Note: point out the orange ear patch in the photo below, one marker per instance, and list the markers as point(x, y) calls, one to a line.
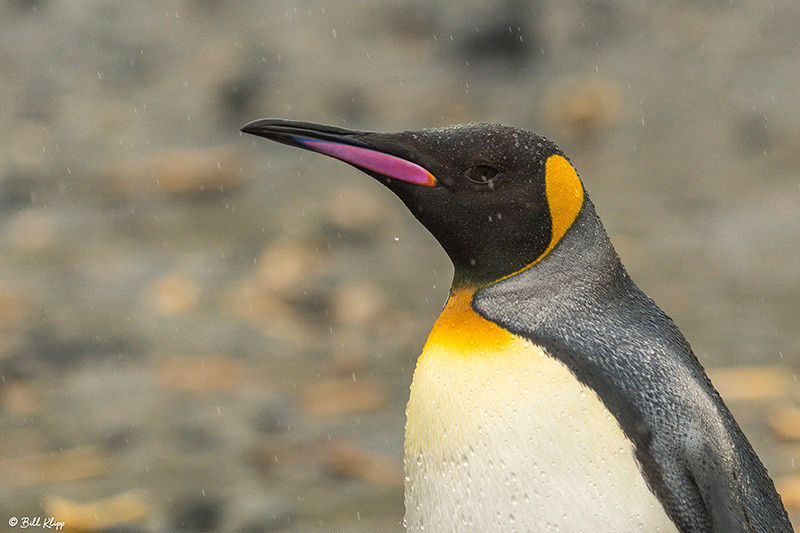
point(564, 197)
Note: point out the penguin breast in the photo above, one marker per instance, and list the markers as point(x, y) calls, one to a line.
point(500, 436)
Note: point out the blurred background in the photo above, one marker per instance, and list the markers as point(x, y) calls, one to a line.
point(201, 331)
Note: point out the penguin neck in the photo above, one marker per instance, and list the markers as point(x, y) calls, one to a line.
point(585, 247)
point(463, 331)
point(471, 278)
point(583, 258)
point(467, 277)
point(465, 280)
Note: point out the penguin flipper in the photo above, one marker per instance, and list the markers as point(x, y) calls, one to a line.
point(732, 482)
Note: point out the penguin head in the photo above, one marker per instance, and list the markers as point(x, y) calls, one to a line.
point(497, 198)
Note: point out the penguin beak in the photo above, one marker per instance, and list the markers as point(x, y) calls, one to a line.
point(342, 144)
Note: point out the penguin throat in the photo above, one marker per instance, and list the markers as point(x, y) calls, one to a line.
point(465, 332)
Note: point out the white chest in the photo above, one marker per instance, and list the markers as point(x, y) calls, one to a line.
point(502, 437)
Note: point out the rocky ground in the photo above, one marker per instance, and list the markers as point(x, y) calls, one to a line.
point(201, 331)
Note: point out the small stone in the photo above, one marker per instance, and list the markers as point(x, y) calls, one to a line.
point(29, 438)
point(789, 488)
point(177, 172)
point(271, 418)
point(24, 149)
point(284, 266)
point(585, 106)
point(351, 349)
point(283, 296)
point(32, 229)
point(19, 397)
point(752, 382)
point(254, 513)
point(680, 26)
point(122, 528)
point(352, 461)
point(173, 294)
point(15, 312)
point(355, 212)
point(348, 361)
point(97, 515)
point(266, 310)
point(751, 133)
point(357, 304)
point(508, 35)
point(36, 469)
point(14, 308)
point(342, 397)
point(208, 171)
point(279, 451)
point(250, 299)
point(785, 423)
point(197, 516)
point(199, 374)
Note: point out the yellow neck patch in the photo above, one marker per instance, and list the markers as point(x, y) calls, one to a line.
point(463, 331)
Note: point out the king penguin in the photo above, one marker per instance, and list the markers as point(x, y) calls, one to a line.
point(552, 394)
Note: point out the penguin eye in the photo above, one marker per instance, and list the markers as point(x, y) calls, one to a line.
point(481, 174)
